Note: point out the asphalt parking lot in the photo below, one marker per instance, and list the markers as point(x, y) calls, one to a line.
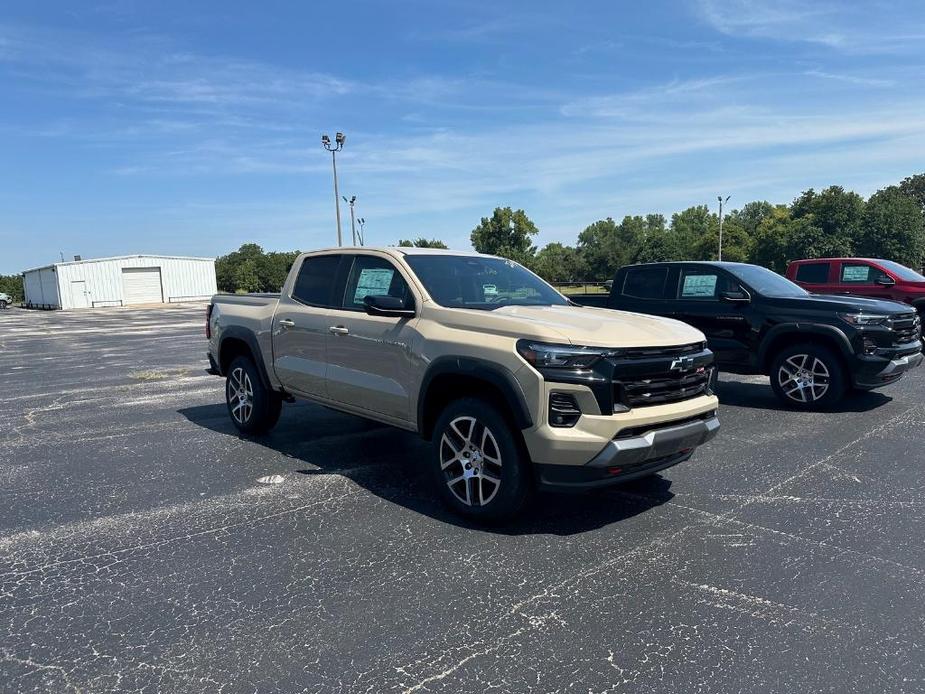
point(139, 552)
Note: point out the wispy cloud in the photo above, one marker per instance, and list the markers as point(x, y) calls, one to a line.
point(862, 27)
point(851, 79)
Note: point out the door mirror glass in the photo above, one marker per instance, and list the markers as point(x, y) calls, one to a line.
point(737, 296)
point(885, 281)
point(381, 305)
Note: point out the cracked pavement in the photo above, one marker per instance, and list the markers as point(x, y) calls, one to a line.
point(139, 552)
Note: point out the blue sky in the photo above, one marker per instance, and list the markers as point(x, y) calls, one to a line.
point(190, 128)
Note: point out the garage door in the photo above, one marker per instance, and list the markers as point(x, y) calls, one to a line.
point(141, 285)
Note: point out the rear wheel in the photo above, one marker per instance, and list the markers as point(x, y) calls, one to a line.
point(478, 465)
point(3, 304)
point(254, 408)
point(808, 376)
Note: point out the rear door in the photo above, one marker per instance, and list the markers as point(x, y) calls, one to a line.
point(726, 325)
point(860, 278)
point(642, 288)
point(815, 277)
point(300, 326)
point(369, 357)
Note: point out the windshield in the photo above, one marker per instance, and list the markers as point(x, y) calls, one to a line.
point(902, 272)
point(766, 282)
point(459, 281)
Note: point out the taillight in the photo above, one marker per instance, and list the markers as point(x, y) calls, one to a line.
point(209, 321)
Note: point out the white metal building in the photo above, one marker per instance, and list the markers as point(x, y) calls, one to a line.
point(121, 281)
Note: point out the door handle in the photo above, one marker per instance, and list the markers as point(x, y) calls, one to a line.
point(286, 323)
point(338, 330)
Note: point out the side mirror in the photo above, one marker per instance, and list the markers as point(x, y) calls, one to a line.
point(390, 306)
point(885, 281)
point(738, 297)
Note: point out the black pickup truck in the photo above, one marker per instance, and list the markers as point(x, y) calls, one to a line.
point(813, 347)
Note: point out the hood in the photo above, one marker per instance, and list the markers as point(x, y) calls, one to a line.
point(844, 303)
point(578, 325)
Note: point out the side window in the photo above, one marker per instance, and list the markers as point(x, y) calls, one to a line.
point(373, 276)
point(813, 273)
point(700, 284)
point(857, 273)
point(645, 282)
point(315, 281)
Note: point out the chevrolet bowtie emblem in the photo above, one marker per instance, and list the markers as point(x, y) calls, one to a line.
point(682, 364)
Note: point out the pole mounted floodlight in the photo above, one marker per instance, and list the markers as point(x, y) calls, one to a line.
point(339, 140)
point(360, 235)
point(721, 203)
point(353, 224)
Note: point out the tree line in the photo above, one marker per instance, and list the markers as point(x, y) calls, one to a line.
point(831, 222)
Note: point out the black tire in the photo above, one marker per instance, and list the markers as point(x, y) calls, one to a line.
point(469, 436)
point(808, 376)
point(254, 409)
point(3, 304)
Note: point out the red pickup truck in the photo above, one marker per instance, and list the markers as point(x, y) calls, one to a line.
point(871, 277)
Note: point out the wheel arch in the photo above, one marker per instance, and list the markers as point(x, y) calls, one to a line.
point(237, 341)
point(450, 378)
point(786, 335)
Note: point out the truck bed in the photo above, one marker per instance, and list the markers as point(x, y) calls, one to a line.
point(595, 300)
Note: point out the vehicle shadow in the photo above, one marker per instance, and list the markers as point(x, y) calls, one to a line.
point(760, 396)
point(390, 463)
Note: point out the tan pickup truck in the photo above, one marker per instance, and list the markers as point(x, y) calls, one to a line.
point(516, 386)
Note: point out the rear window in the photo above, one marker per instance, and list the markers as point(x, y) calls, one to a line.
point(645, 282)
point(315, 281)
point(813, 273)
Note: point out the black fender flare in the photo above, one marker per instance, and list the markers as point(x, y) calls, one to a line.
point(236, 332)
point(808, 329)
point(481, 369)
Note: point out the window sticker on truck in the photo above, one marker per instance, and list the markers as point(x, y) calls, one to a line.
point(372, 282)
point(699, 285)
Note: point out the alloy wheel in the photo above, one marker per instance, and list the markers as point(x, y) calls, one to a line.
point(804, 378)
point(240, 395)
point(471, 461)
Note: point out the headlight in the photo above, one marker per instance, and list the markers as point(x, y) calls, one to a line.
point(546, 356)
point(862, 319)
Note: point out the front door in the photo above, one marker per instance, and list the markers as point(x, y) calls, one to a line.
point(369, 363)
point(860, 278)
point(79, 296)
point(300, 326)
point(726, 325)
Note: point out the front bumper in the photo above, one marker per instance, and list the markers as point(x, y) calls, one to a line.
point(636, 455)
point(876, 372)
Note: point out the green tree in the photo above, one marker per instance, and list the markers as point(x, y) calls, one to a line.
point(689, 227)
point(12, 285)
point(914, 187)
point(559, 263)
point(771, 238)
point(751, 216)
point(737, 242)
point(597, 247)
point(893, 227)
point(246, 278)
point(506, 233)
point(422, 243)
point(836, 212)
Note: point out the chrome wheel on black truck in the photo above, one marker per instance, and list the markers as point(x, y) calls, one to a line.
point(478, 464)
point(808, 376)
point(253, 407)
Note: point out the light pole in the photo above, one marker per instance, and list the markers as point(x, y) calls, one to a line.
point(362, 223)
point(339, 140)
point(721, 201)
point(353, 224)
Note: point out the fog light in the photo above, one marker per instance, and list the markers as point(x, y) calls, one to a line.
point(563, 410)
point(869, 346)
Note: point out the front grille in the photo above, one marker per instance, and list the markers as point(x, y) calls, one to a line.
point(657, 391)
point(906, 328)
point(645, 377)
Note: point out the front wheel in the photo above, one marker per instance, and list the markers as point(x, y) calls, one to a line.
point(253, 407)
point(3, 304)
point(478, 464)
point(808, 376)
